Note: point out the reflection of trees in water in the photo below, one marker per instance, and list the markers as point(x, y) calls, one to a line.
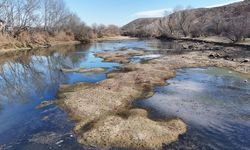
point(165, 47)
point(30, 77)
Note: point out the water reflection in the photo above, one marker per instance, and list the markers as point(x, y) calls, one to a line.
point(28, 78)
point(215, 104)
point(31, 76)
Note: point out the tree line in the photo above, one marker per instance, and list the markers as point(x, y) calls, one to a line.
point(50, 16)
point(231, 22)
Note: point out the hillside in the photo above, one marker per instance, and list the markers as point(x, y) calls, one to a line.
point(229, 21)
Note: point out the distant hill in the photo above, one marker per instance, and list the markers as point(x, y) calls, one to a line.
point(232, 21)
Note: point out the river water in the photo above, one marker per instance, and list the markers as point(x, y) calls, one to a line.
point(214, 102)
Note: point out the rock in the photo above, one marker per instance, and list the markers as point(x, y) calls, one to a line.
point(59, 142)
point(226, 57)
point(185, 46)
point(45, 118)
point(191, 47)
point(214, 55)
point(245, 61)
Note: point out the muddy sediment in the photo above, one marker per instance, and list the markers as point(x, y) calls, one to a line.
point(98, 107)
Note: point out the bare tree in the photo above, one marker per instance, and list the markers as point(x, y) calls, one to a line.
point(181, 20)
point(55, 14)
point(28, 17)
point(112, 30)
point(165, 24)
point(184, 19)
point(235, 29)
point(217, 21)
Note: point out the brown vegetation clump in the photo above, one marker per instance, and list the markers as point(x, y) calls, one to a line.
point(32, 40)
point(119, 57)
point(136, 131)
point(96, 108)
point(7, 42)
point(63, 36)
point(82, 70)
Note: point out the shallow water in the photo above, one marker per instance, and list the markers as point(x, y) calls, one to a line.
point(215, 101)
point(35, 76)
point(32, 78)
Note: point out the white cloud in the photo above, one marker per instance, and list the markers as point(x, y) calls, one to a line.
point(151, 13)
point(218, 5)
point(161, 12)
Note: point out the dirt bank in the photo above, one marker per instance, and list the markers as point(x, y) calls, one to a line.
point(14, 49)
point(219, 40)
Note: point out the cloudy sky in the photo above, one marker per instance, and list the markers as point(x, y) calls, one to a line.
point(120, 12)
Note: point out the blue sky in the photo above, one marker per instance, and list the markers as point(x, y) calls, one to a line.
point(120, 12)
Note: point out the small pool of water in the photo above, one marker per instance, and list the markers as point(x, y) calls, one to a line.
point(215, 104)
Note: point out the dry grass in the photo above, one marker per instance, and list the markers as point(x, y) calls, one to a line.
point(116, 38)
point(62, 36)
point(7, 42)
point(27, 39)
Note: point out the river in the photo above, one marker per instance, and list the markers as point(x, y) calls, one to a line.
point(214, 102)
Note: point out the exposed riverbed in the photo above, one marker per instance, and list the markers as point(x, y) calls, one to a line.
point(32, 78)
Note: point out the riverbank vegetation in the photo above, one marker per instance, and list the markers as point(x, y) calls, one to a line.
point(228, 23)
point(41, 23)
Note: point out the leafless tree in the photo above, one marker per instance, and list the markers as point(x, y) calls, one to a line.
point(217, 21)
point(235, 29)
point(183, 19)
point(52, 16)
